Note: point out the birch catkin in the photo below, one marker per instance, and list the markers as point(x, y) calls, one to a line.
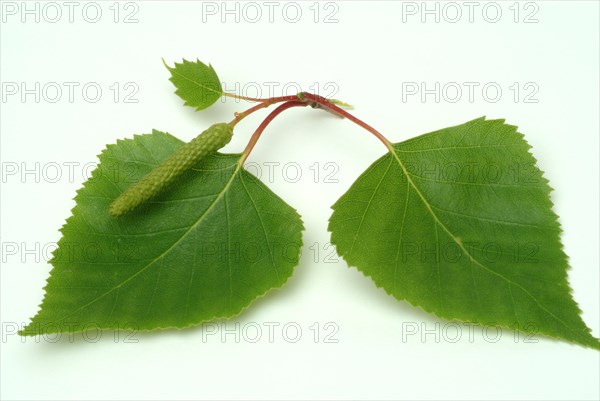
point(208, 142)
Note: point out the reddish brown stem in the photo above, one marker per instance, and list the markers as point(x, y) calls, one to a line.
point(319, 101)
point(266, 122)
point(301, 99)
point(263, 104)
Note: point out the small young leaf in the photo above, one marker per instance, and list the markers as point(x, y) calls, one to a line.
point(197, 83)
point(201, 250)
point(460, 222)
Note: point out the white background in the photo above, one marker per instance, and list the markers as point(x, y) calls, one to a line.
point(370, 54)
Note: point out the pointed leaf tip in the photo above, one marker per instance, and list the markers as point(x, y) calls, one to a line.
point(199, 251)
point(459, 222)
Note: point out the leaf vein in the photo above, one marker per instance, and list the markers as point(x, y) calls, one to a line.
point(262, 224)
point(136, 274)
point(460, 244)
point(368, 206)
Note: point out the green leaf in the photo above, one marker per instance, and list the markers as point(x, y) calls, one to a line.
point(197, 83)
point(459, 222)
point(203, 249)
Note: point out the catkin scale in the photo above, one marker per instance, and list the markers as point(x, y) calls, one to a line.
point(209, 141)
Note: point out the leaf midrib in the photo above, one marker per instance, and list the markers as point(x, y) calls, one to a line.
point(164, 253)
point(203, 86)
point(462, 247)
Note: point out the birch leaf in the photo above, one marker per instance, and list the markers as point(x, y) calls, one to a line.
point(459, 222)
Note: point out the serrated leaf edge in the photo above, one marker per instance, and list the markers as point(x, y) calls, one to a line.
point(178, 91)
point(427, 310)
point(158, 328)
